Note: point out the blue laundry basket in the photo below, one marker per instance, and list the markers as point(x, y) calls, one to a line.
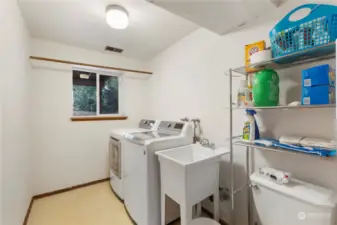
point(318, 28)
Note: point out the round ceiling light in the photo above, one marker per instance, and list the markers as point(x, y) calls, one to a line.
point(117, 17)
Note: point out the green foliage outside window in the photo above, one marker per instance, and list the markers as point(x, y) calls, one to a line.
point(109, 95)
point(85, 95)
point(84, 98)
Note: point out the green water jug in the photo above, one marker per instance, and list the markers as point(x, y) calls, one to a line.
point(266, 88)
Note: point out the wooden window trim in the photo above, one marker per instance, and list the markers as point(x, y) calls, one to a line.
point(96, 118)
point(89, 65)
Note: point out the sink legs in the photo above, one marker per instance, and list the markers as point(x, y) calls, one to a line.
point(188, 188)
point(198, 213)
point(216, 205)
point(186, 211)
point(163, 209)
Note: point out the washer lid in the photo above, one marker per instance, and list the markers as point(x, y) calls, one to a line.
point(300, 190)
point(141, 137)
point(123, 131)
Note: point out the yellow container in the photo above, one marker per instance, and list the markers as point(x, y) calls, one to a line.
point(250, 50)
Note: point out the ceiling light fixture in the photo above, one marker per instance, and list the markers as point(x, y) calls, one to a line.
point(117, 17)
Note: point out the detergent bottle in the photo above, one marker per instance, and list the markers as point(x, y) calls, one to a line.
point(266, 88)
point(250, 130)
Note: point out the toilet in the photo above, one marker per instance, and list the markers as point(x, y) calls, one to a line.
point(294, 203)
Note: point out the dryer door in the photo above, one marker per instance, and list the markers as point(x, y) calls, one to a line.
point(115, 156)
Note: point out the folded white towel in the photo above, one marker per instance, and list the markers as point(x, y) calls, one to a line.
point(291, 140)
point(308, 142)
point(318, 142)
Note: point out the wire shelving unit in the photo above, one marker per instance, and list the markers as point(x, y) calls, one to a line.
point(317, 54)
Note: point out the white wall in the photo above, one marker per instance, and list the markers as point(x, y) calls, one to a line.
point(70, 153)
point(14, 45)
point(190, 81)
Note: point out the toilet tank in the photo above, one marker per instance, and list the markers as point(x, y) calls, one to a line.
point(295, 203)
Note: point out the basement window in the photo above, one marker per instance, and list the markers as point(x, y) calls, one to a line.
point(95, 96)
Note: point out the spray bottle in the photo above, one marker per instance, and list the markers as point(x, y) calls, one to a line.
point(250, 130)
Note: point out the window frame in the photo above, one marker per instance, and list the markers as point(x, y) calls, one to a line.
point(115, 116)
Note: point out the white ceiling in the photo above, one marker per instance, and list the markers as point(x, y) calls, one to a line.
point(220, 16)
point(82, 23)
point(225, 16)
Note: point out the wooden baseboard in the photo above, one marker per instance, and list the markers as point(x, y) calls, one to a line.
point(210, 214)
point(59, 192)
point(69, 188)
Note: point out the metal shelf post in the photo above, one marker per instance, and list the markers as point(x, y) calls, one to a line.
point(231, 147)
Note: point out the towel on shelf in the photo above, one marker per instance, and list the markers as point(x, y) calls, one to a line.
point(308, 142)
point(318, 142)
point(309, 150)
point(291, 140)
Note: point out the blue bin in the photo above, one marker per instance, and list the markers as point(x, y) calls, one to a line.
point(316, 29)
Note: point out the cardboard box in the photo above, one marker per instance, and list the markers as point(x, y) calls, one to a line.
point(318, 95)
point(318, 75)
point(250, 50)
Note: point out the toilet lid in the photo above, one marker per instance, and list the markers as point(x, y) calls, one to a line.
point(204, 221)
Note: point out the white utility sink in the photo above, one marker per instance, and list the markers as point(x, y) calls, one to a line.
point(192, 155)
point(189, 174)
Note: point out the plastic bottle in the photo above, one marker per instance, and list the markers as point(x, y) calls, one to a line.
point(250, 130)
point(245, 96)
point(266, 88)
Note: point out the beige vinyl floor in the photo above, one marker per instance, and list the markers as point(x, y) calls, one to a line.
point(92, 205)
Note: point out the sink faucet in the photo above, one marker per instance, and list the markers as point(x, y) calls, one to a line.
point(206, 143)
point(185, 119)
point(199, 137)
point(196, 126)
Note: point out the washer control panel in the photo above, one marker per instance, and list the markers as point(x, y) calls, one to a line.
point(146, 124)
point(174, 127)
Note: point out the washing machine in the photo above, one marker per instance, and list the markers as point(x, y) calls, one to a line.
point(116, 148)
point(142, 171)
